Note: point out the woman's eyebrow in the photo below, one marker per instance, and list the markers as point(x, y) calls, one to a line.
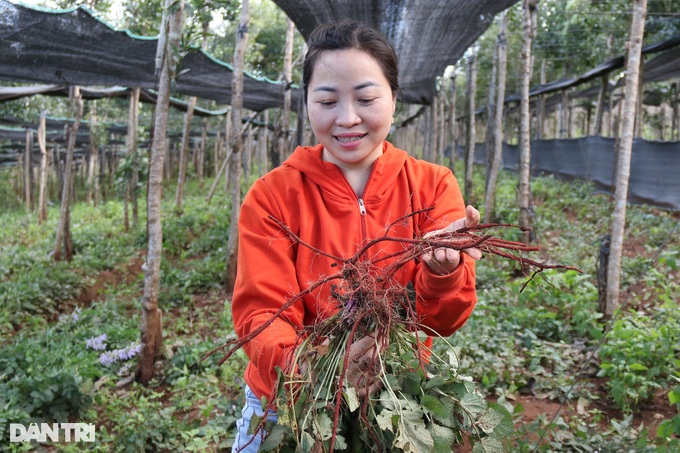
point(358, 87)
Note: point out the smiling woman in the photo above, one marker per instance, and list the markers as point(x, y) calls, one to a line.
point(336, 197)
point(350, 106)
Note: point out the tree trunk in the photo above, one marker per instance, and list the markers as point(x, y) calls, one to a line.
point(529, 9)
point(428, 132)
point(64, 227)
point(284, 138)
point(151, 329)
point(490, 110)
point(27, 168)
point(442, 128)
point(131, 141)
point(453, 130)
point(236, 142)
point(675, 127)
point(497, 152)
point(639, 107)
point(624, 155)
point(217, 177)
point(202, 148)
point(184, 155)
point(540, 114)
point(42, 143)
point(471, 139)
point(601, 100)
point(93, 166)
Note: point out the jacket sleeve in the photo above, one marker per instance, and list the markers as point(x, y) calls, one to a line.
point(265, 281)
point(445, 302)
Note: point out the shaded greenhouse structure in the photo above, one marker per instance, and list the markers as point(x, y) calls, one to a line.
point(59, 49)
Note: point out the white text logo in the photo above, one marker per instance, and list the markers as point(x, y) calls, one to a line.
point(56, 432)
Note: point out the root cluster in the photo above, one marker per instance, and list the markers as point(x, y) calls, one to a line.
point(370, 302)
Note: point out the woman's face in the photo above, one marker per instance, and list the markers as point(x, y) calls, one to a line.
point(350, 106)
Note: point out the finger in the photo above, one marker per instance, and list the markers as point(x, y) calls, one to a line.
point(473, 252)
point(452, 256)
point(440, 255)
point(471, 216)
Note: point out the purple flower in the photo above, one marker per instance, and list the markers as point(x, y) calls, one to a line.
point(72, 318)
point(110, 357)
point(96, 343)
point(106, 358)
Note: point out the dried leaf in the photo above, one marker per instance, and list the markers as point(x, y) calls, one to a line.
point(488, 421)
point(413, 435)
point(351, 398)
point(384, 420)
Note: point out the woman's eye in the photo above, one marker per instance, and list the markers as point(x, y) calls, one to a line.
point(366, 101)
point(327, 103)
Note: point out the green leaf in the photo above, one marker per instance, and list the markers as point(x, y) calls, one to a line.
point(505, 428)
point(624, 334)
point(488, 445)
point(473, 403)
point(435, 406)
point(340, 443)
point(665, 430)
point(255, 421)
point(411, 383)
point(323, 426)
point(674, 395)
point(274, 438)
point(306, 442)
point(488, 421)
point(443, 438)
point(638, 367)
point(434, 382)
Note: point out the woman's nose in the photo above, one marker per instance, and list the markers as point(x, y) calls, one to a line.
point(347, 115)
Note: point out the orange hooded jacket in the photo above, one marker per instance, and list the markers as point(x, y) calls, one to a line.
point(315, 201)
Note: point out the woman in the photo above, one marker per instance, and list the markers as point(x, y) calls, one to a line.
point(336, 196)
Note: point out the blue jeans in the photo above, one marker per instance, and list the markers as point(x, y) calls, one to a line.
point(250, 443)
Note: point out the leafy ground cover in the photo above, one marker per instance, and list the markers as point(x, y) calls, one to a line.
point(68, 331)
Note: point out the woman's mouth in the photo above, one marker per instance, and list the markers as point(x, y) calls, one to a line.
point(346, 139)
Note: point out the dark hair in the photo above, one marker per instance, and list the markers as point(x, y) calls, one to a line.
point(350, 34)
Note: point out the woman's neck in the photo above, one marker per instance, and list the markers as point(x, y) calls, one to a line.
point(356, 175)
point(357, 178)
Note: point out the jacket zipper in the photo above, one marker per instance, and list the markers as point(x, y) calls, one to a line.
point(362, 205)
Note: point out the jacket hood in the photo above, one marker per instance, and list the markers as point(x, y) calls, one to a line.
point(307, 160)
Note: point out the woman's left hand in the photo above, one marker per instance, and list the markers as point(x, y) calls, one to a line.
point(443, 261)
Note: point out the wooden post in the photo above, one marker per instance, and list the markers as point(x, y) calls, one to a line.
point(151, 329)
point(624, 155)
point(44, 162)
point(524, 196)
point(471, 138)
point(453, 125)
point(27, 168)
point(63, 229)
point(237, 142)
point(497, 152)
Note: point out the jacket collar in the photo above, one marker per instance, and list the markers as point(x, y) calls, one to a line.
point(307, 160)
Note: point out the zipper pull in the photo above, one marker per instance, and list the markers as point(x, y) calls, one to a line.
point(362, 207)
